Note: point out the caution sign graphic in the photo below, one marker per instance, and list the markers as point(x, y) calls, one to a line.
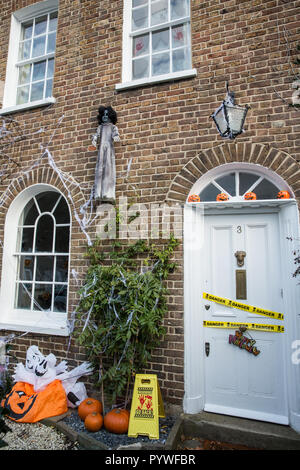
point(146, 408)
point(245, 307)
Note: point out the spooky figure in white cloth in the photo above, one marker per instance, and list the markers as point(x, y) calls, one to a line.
point(107, 133)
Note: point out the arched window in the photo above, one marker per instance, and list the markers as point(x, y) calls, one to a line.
point(236, 182)
point(37, 262)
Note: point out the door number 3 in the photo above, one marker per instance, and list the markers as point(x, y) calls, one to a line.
point(239, 229)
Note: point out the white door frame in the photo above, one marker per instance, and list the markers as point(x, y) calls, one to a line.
point(194, 248)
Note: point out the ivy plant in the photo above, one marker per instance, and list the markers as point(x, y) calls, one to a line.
point(121, 310)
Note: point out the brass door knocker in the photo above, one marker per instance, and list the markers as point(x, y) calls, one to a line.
point(240, 255)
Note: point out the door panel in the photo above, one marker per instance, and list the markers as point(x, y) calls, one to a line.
point(236, 381)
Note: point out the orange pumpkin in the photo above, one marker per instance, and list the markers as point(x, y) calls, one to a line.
point(93, 422)
point(194, 198)
point(283, 195)
point(117, 421)
point(89, 405)
point(250, 196)
point(222, 197)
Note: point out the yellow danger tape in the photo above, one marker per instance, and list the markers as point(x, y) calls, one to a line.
point(249, 326)
point(245, 307)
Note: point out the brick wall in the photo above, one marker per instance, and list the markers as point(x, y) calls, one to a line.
point(165, 128)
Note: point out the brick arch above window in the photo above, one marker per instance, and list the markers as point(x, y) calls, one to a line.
point(244, 152)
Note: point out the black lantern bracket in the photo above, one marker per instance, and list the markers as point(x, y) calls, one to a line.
point(229, 117)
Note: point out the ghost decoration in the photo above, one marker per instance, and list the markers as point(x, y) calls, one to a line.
point(40, 371)
point(105, 174)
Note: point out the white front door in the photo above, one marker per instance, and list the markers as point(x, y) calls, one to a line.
point(236, 381)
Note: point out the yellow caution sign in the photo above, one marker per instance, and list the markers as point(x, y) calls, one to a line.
point(146, 407)
point(245, 307)
point(249, 326)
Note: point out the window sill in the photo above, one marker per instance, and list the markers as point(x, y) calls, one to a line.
point(24, 107)
point(56, 330)
point(154, 80)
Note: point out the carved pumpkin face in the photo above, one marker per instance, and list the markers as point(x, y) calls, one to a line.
point(283, 195)
point(250, 196)
point(222, 197)
point(194, 198)
point(19, 404)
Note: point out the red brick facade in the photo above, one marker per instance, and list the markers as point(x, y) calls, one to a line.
point(164, 128)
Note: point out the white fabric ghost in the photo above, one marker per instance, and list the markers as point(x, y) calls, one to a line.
point(41, 370)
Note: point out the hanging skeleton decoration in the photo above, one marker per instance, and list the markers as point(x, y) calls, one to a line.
point(107, 133)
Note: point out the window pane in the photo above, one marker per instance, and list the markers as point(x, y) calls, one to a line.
point(209, 193)
point(22, 94)
point(139, 18)
point(180, 36)
point(61, 213)
point(40, 25)
point(27, 240)
point(49, 86)
point(24, 296)
point(50, 69)
point(44, 268)
point(159, 12)
point(47, 200)
point(27, 30)
point(160, 40)
point(60, 298)
point(42, 296)
point(37, 91)
point(39, 46)
point(179, 9)
point(30, 213)
point(140, 68)
point(228, 183)
point(62, 239)
point(51, 43)
point(160, 64)
point(140, 45)
point(61, 274)
point(24, 74)
point(39, 69)
point(246, 181)
point(53, 22)
point(24, 50)
point(265, 190)
point(44, 234)
point(138, 3)
point(181, 59)
point(26, 268)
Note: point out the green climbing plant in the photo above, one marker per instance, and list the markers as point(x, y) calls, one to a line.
point(121, 309)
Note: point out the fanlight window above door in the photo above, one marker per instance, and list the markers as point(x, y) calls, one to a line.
point(237, 184)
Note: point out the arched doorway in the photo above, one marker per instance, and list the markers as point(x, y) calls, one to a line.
point(221, 375)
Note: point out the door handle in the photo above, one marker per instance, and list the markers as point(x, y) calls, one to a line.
point(207, 349)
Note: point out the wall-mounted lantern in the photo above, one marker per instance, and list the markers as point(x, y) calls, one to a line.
point(229, 118)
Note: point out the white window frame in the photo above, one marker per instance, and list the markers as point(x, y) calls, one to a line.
point(127, 81)
point(11, 318)
point(10, 89)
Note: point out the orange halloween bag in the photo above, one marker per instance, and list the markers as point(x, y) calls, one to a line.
point(27, 406)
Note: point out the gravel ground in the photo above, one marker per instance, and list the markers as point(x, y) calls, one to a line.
point(113, 441)
point(35, 436)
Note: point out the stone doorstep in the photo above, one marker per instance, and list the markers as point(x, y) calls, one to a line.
point(239, 431)
point(89, 443)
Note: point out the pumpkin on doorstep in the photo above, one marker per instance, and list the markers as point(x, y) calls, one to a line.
point(194, 198)
point(89, 405)
point(93, 422)
point(222, 197)
point(250, 196)
point(283, 195)
point(117, 421)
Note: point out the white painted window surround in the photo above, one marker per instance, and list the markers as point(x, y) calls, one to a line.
point(20, 319)
point(9, 98)
point(146, 33)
